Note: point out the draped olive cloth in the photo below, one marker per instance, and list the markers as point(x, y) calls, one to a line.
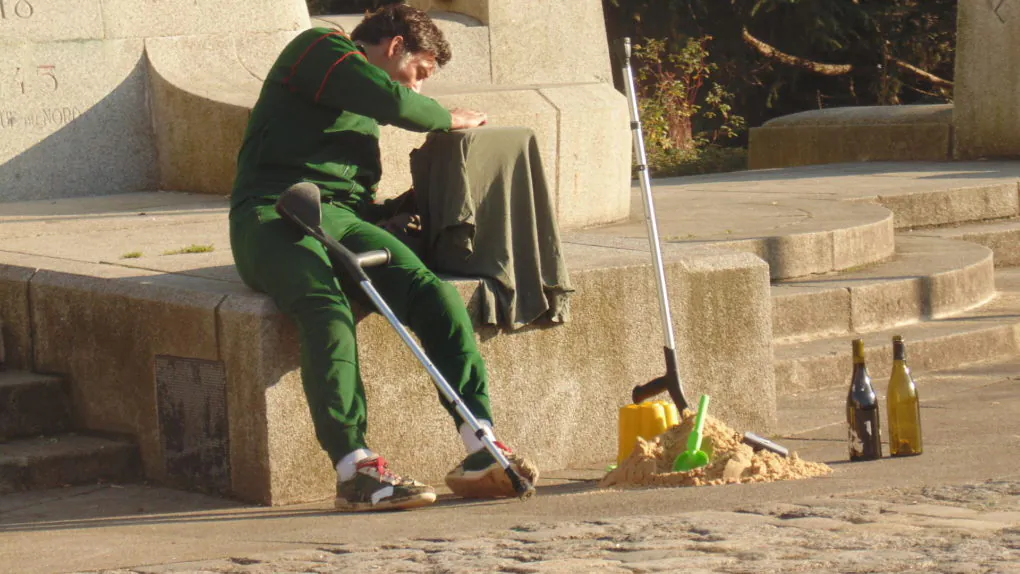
point(487, 212)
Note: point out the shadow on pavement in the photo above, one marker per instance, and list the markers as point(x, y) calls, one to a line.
point(103, 506)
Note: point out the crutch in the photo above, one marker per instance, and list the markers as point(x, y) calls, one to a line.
point(671, 380)
point(301, 204)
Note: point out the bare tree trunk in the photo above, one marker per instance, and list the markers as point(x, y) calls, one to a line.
point(681, 133)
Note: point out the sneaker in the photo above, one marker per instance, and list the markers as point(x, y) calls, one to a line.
point(376, 487)
point(480, 476)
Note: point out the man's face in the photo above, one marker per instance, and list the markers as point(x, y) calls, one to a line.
point(412, 70)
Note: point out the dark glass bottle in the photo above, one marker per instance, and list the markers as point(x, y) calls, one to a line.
point(903, 406)
point(862, 411)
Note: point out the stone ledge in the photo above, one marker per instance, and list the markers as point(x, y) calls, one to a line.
point(556, 389)
point(14, 310)
point(872, 115)
point(853, 134)
point(562, 408)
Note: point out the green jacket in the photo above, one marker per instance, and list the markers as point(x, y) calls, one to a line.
point(317, 120)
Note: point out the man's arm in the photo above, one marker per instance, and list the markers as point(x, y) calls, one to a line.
point(327, 67)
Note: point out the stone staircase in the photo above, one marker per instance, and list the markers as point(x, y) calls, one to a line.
point(37, 447)
point(860, 250)
point(950, 290)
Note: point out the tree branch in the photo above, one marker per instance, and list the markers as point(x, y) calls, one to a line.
point(790, 60)
point(919, 72)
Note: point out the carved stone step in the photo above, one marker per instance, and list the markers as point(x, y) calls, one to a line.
point(52, 461)
point(1001, 236)
point(928, 277)
point(988, 333)
point(32, 404)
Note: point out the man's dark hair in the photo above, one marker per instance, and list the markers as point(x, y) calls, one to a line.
point(419, 31)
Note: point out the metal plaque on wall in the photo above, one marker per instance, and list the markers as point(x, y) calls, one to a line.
point(191, 397)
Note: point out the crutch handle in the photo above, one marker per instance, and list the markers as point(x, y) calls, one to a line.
point(649, 390)
point(622, 51)
point(669, 382)
point(375, 258)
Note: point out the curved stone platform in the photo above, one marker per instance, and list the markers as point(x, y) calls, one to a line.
point(818, 219)
point(796, 238)
point(854, 134)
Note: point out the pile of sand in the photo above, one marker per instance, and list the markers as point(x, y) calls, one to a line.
point(732, 462)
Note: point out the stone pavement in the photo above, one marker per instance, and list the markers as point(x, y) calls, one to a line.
point(966, 529)
point(954, 509)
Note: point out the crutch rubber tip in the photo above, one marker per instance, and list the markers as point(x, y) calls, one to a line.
point(522, 486)
point(526, 491)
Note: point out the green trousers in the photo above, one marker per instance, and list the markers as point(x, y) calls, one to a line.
point(273, 257)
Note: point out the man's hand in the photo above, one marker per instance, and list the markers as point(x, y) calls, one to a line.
point(406, 223)
point(467, 119)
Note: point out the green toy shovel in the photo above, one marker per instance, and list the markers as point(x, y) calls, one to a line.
point(694, 457)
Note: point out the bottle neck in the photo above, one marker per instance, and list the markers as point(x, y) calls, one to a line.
point(858, 352)
point(899, 351)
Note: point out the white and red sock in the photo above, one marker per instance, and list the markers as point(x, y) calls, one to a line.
point(348, 465)
point(472, 443)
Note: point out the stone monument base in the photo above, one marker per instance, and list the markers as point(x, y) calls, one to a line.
point(839, 135)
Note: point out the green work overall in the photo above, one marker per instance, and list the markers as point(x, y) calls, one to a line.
point(317, 120)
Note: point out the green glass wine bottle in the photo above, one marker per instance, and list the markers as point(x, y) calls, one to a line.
point(862, 415)
point(903, 406)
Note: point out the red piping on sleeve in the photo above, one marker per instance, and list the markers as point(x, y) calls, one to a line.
point(293, 69)
point(331, 68)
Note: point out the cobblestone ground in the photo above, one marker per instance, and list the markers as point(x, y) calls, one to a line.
point(965, 529)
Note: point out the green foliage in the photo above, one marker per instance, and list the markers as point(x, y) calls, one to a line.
point(708, 159)
point(682, 121)
point(872, 38)
point(131, 255)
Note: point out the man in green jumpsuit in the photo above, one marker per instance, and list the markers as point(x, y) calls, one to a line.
point(317, 120)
